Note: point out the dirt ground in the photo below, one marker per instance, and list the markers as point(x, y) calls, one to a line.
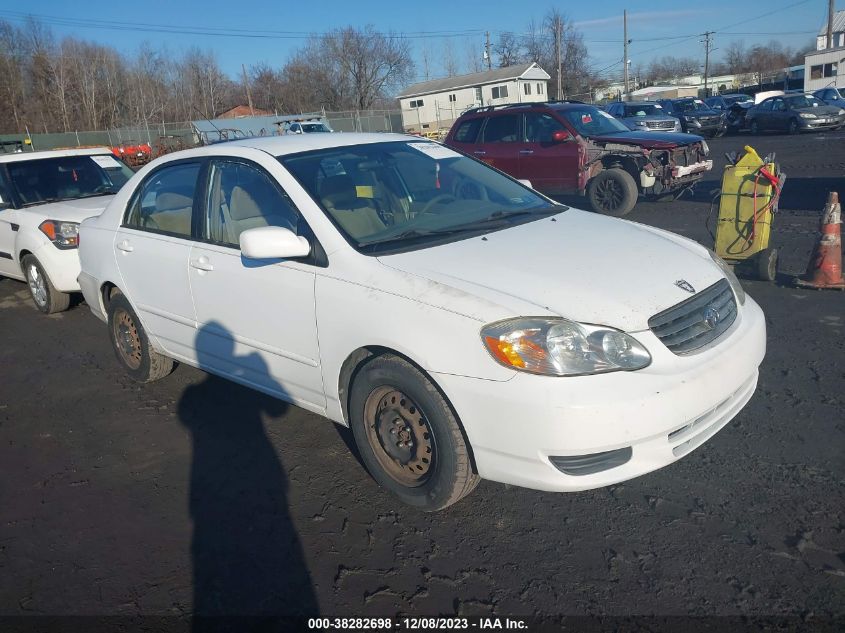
point(126, 499)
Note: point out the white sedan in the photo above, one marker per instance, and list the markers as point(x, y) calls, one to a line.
point(462, 324)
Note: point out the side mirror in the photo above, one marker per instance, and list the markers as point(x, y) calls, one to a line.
point(525, 182)
point(273, 242)
point(561, 136)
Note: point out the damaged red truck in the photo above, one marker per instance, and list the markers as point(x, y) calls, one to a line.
point(570, 147)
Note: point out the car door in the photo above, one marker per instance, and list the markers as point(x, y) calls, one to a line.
point(8, 229)
point(152, 247)
point(261, 312)
point(500, 142)
point(779, 115)
point(551, 166)
point(763, 114)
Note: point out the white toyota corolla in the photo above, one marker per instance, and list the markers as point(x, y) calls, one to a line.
point(462, 324)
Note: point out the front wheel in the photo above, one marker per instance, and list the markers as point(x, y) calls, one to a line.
point(44, 294)
point(612, 192)
point(755, 128)
point(794, 128)
point(408, 436)
point(131, 344)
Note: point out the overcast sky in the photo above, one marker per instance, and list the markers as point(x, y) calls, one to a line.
point(252, 31)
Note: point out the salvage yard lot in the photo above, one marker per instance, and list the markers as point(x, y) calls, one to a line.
point(118, 498)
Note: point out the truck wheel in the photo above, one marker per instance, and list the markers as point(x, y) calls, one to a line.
point(767, 264)
point(408, 436)
point(612, 192)
point(131, 345)
point(44, 294)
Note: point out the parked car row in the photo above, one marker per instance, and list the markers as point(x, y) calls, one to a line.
point(455, 318)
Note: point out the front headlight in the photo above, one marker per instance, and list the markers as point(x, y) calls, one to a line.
point(841, 112)
point(63, 234)
point(558, 347)
point(731, 277)
point(640, 123)
point(807, 115)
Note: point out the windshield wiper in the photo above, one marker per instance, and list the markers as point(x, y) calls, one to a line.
point(94, 195)
point(43, 201)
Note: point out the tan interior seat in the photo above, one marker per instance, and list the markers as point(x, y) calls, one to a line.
point(172, 213)
point(357, 216)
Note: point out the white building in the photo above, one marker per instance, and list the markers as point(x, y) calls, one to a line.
point(434, 105)
point(824, 69)
point(838, 32)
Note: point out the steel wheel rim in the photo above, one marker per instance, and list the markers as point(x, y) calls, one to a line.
point(127, 339)
point(609, 194)
point(400, 436)
point(37, 285)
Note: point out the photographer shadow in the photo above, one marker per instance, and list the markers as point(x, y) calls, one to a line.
point(247, 559)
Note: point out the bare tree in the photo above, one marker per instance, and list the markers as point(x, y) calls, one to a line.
point(508, 50)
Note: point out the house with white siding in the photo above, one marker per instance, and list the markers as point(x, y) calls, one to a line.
point(434, 105)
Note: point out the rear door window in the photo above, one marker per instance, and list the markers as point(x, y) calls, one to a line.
point(164, 202)
point(467, 131)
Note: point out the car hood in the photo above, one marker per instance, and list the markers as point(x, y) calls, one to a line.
point(697, 114)
point(579, 265)
point(825, 110)
point(648, 140)
point(650, 117)
point(71, 210)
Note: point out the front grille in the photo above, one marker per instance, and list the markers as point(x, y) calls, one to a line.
point(694, 323)
point(661, 125)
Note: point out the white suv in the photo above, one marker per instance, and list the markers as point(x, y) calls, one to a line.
point(43, 198)
point(461, 323)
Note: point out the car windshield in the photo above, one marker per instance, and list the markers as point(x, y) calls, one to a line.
point(589, 121)
point(643, 110)
point(803, 101)
point(691, 105)
point(387, 197)
point(66, 178)
point(737, 99)
point(314, 127)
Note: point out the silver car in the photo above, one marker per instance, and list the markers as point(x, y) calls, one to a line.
point(644, 115)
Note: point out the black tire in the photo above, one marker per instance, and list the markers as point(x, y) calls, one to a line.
point(754, 128)
point(44, 294)
point(793, 128)
point(131, 344)
point(767, 264)
point(429, 465)
point(612, 192)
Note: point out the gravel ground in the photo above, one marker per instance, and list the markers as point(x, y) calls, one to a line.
point(125, 499)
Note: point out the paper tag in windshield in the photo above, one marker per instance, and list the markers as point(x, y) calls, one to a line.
point(435, 151)
point(586, 118)
point(106, 162)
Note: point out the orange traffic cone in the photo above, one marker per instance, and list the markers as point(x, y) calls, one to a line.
point(825, 267)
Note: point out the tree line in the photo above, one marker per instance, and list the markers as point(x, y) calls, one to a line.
point(58, 85)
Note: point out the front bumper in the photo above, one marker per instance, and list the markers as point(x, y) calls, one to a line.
point(821, 124)
point(61, 266)
point(661, 412)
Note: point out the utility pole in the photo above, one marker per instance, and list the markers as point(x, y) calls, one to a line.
point(559, 66)
point(487, 52)
point(625, 51)
point(830, 23)
point(248, 93)
point(708, 44)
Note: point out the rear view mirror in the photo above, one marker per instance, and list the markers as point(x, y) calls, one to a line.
point(273, 242)
point(561, 136)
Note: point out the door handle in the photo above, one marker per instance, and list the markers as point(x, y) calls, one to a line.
point(479, 152)
point(125, 246)
point(526, 151)
point(202, 263)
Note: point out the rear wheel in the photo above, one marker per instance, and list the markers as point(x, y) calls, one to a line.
point(767, 264)
point(408, 436)
point(612, 192)
point(44, 294)
point(131, 344)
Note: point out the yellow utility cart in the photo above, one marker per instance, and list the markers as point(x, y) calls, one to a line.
point(748, 201)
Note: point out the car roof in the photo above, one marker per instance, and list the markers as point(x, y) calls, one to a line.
point(53, 153)
point(283, 145)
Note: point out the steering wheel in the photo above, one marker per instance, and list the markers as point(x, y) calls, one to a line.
point(469, 190)
point(443, 197)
